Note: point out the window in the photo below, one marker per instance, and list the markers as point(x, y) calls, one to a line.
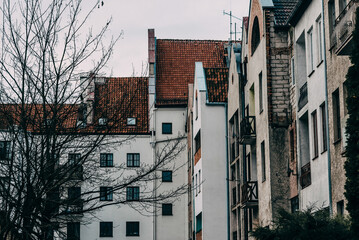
point(133, 193)
point(345, 96)
point(310, 50)
point(263, 158)
point(131, 121)
point(133, 159)
point(196, 105)
point(166, 176)
point(167, 209)
point(331, 9)
point(315, 134)
point(319, 39)
point(197, 141)
point(336, 116)
point(340, 208)
point(132, 228)
point(260, 93)
point(342, 5)
point(74, 194)
point(294, 204)
point(324, 127)
point(102, 121)
point(292, 145)
point(73, 231)
point(166, 128)
point(74, 158)
point(4, 150)
point(106, 229)
point(106, 160)
point(106, 193)
point(255, 35)
point(199, 181)
point(292, 62)
point(199, 222)
point(196, 186)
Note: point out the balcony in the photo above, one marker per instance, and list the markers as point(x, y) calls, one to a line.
point(248, 130)
point(249, 197)
point(303, 96)
point(305, 177)
point(341, 37)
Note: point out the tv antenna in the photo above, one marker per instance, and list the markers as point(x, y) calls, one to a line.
point(230, 25)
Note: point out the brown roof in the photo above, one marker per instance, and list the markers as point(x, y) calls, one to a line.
point(283, 10)
point(116, 100)
point(175, 66)
point(217, 84)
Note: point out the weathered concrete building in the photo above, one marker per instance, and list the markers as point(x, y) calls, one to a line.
point(339, 24)
point(308, 79)
point(264, 120)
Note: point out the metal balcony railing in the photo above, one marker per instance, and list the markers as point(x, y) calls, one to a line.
point(303, 96)
point(305, 176)
point(249, 192)
point(341, 37)
point(248, 130)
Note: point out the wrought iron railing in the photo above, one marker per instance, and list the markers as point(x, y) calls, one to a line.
point(303, 96)
point(249, 193)
point(248, 130)
point(305, 176)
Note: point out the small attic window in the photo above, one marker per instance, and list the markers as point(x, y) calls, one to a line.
point(102, 121)
point(255, 35)
point(131, 121)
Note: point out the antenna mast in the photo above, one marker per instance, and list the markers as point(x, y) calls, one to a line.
point(230, 25)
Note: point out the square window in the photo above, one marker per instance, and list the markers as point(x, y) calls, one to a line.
point(73, 231)
point(166, 128)
point(199, 222)
point(167, 209)
point(132, 228)
point(74, 158)
point(106, 193)
point(133, 159)
point(133, 193)
point(166, 176)
point(4, 150)
point(106, 160)
point(131, 121)
point(106, 229)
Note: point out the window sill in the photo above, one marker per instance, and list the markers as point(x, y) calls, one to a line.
point(320, 63)
point(311, 73)
point(167, 181)
point(323, 151)
point(315, 157)
point(262, 110)
point(337, 141)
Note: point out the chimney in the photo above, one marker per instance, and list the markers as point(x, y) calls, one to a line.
point(152, 76)
point(88, 94)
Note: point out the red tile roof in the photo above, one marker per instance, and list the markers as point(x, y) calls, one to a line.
point(116, 99)
point(175, 65)
point(217, 84)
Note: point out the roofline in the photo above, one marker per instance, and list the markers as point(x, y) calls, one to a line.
point(298, 12)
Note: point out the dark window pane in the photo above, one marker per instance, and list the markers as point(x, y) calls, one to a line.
point(106, 229)
point(166, 176)
point(106, 160)
point(133, 193)
point(106, 193)
point(166, 128)
point(132, 228)
point(133, 159)
point(73, 231)
point(4, 150)
point(166, 209)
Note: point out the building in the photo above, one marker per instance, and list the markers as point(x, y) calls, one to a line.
point(308, 80)
point(339, 22)
point(209, 175)
point(264, 116)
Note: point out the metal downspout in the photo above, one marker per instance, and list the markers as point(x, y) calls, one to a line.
point(227, 177)
point(244, 168)
point(327, 116)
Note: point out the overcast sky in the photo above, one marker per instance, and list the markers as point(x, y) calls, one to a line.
point(171, 19)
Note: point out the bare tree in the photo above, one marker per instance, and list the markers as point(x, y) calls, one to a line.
point(54, 122)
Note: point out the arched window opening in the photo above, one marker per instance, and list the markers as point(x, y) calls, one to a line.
point(255, 35)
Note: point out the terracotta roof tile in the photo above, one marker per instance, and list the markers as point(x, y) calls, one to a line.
point(116, 100)
point(175, 66)
point(283, 10)
point(217, 84)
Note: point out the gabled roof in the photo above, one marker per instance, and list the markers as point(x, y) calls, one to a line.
point(116, 99)
point(175, 66)
point(283, 10)
point(217, 84)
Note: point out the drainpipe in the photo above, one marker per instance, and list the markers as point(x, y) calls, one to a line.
point(327, 116)
point(244, 171)
point(227, 177)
